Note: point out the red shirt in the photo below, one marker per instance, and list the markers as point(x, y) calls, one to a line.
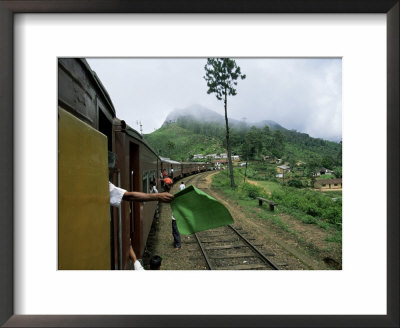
point(168, 181)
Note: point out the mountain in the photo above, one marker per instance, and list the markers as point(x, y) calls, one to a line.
point(272, 125)
point(198, 130)
point(203, 114)
point(195, 112)
point(180, 144)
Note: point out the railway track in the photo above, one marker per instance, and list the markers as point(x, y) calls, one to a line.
point(229, 247)
point(225, 248)
point(197, 180)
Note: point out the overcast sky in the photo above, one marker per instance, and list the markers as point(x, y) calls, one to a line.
point(300, 94)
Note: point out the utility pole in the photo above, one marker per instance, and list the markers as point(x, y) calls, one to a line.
point(139, 123)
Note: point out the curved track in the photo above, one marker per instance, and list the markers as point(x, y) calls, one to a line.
point(228, 247)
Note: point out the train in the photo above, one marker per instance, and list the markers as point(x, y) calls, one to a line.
point(92, 235)
point(178, 170)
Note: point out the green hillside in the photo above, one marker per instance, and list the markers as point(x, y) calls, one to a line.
point(180, 144)
point(181, 139)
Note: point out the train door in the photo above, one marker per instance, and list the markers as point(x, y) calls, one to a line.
point(105, 127)
point(134, 176)
point(83, 196)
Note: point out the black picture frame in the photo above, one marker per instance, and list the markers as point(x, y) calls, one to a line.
point(7, 198)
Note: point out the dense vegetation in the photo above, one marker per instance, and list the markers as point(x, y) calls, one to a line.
point(182, 139)
point(306, 205)
point(178, 143)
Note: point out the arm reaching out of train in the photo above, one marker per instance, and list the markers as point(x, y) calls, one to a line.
point(118, 194)
point(136, 263)
point(142, 197)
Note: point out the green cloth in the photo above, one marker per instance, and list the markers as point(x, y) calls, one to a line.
point(196, 211)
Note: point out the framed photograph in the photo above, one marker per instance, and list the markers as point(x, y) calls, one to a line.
point(34, 35)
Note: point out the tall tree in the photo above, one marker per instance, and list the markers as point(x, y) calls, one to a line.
point(221, 77)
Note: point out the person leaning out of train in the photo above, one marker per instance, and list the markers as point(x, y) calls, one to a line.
point(118, 194)
point(167, 184)
point(155, 261)
point(137, 265)
point(153, 188)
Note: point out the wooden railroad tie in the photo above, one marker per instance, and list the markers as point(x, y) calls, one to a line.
point(271, 203)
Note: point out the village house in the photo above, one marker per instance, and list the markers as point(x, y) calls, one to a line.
point(322, 171)
point(198, 156)
point(223, 156)
point(283, 169)
point(326, 184)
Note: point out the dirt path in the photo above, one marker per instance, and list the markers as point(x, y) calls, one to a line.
point(300, 251)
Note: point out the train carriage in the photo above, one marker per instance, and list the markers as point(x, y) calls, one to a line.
point(85, 116)
point(136, 168)
point(91, 235)
point(173, 168)
point(187, 168)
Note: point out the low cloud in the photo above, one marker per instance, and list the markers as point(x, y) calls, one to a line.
point(300, 94)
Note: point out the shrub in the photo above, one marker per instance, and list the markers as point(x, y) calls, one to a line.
point(310, 206)
point(309, 219)
point(251, 191)
point(312, 210)
point(295, 183)
point(251, 173)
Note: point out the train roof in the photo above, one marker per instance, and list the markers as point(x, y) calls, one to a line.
point(194, 163)
point(136, 135)
point(167, 160)
point(100, 85)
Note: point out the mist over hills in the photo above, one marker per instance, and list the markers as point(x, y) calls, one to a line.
point(205, 115)
point(198, 130)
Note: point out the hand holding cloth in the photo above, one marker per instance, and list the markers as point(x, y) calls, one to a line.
point(196, 211)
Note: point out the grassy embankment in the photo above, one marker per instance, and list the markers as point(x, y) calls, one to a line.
point(307, 206)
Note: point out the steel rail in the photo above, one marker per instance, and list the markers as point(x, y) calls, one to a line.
point(263, 257)
point(204, 253)
point(190, 178)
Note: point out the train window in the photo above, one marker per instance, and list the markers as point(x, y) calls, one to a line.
point(153, 176)
point(145, 182)
point(105, 127)
point(152, 180)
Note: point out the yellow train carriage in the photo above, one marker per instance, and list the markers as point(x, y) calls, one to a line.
point(83, 196)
